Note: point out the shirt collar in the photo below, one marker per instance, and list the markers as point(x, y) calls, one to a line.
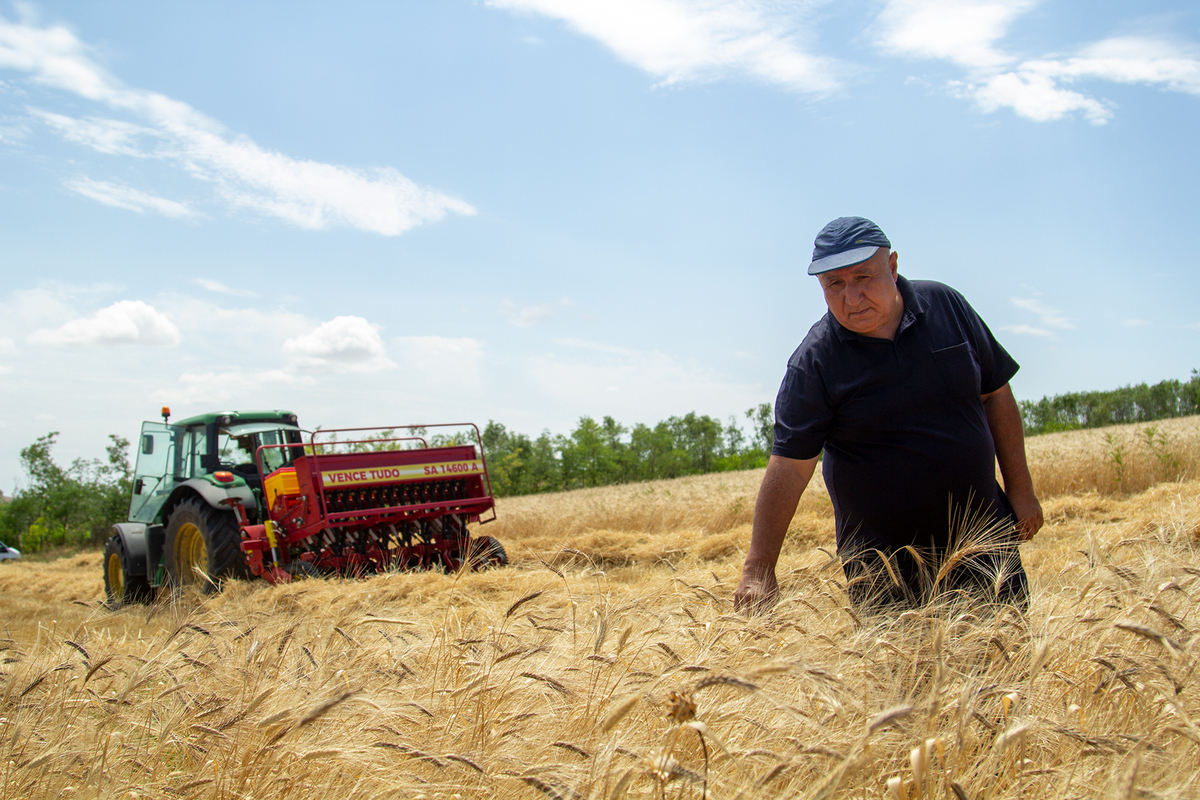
point(914, 307)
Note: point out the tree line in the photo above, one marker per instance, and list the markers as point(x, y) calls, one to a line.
point(67, 506)
point(607, 452)
point(1140, 403)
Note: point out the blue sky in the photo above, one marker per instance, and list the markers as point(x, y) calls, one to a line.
point(534, 210)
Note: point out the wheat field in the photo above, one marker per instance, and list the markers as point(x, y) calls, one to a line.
point(607, 662)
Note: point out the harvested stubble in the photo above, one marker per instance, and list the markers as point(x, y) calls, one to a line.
point(572, 673)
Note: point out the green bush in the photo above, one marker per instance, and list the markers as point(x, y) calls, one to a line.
point(66, 506)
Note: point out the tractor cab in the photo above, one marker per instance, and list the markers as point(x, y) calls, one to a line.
point(221, 449)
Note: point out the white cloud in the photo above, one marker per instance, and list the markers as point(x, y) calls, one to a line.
point(343, 344)
point(966, 33)
point(1133, 322)
point(1026, 330)
point(962, 31)
point(440, 358)
point(308, 194)
point(679, 42)
point(1049, 319)
point(220, 288)
point(1033, 96)
point(526, 316)
point(7, 347)
point(110, 136)
point(124, 322)
point(1130, 59)
point(118, 196)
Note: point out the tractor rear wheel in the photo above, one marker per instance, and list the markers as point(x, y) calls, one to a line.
point(486, 552)
point(119, 586)
point(202, 546)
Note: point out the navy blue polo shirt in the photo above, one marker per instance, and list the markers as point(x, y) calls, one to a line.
point(905, 435)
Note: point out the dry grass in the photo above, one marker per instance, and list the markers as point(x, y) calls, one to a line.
point(1119, 459)
point(574, 672)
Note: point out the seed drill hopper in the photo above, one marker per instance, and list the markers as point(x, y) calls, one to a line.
point(365, 511)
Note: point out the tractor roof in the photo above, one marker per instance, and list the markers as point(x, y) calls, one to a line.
point(233, 417)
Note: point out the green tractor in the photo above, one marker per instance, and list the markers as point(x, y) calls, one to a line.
point(183, 527)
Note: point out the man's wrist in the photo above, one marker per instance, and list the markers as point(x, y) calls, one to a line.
point(758, 569)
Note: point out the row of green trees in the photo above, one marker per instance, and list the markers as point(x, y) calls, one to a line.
point(607, 452)
point(66, 506)
point(1140, 403)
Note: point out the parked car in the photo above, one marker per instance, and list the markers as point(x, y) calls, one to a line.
point(8, 553)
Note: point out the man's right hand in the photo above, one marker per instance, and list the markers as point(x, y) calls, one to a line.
point(783, 483)
point(756, 593)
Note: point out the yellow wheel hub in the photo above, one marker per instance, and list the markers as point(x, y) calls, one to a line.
point(191, 556)
point(116, 576)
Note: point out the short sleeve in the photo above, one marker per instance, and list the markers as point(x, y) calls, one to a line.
point(802, 412)
point(996, 366)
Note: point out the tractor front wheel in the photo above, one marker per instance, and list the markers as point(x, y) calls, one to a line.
point(202, 546)
point(119, 586)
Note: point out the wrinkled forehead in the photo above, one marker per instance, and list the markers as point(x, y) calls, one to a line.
point(869, 267)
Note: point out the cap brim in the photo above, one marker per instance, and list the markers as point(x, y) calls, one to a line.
point(845, 259)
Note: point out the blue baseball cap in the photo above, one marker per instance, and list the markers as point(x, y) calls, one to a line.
point(845, 242)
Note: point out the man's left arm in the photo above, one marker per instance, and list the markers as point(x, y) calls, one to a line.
point(1004, 419)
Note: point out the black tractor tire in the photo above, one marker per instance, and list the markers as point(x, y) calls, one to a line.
point(487, 552)
point(202, 546)
point(119, 586)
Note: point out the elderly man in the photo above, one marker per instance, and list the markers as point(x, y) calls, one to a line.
point(906, 390)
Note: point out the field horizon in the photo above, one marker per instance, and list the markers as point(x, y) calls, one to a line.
point(607, 661)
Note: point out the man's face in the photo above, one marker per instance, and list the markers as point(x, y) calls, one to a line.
point(864, 297)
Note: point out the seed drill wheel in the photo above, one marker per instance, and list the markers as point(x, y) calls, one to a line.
point(202, 546)
point(119, 586)
point(487, 552)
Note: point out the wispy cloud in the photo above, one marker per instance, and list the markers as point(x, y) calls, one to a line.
point(308, 194)
point(526, 316)
point(124, 322)
point(218, 387)
point(440, 359)
point(1026, 330)
point(961, 31)
point(118, 196)
point(1134, 322)
point(597, 347)
point(343, 344)
point(968, 32)
point(220, 288)
point(680, 42)
point(1049, 319)
point(1031, 95)
point(603, 378)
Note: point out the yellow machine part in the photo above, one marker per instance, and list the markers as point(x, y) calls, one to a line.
point(281, 481)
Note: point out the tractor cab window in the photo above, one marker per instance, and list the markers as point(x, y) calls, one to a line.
point(239, 445)
point(197, 449)
point(160, 463)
